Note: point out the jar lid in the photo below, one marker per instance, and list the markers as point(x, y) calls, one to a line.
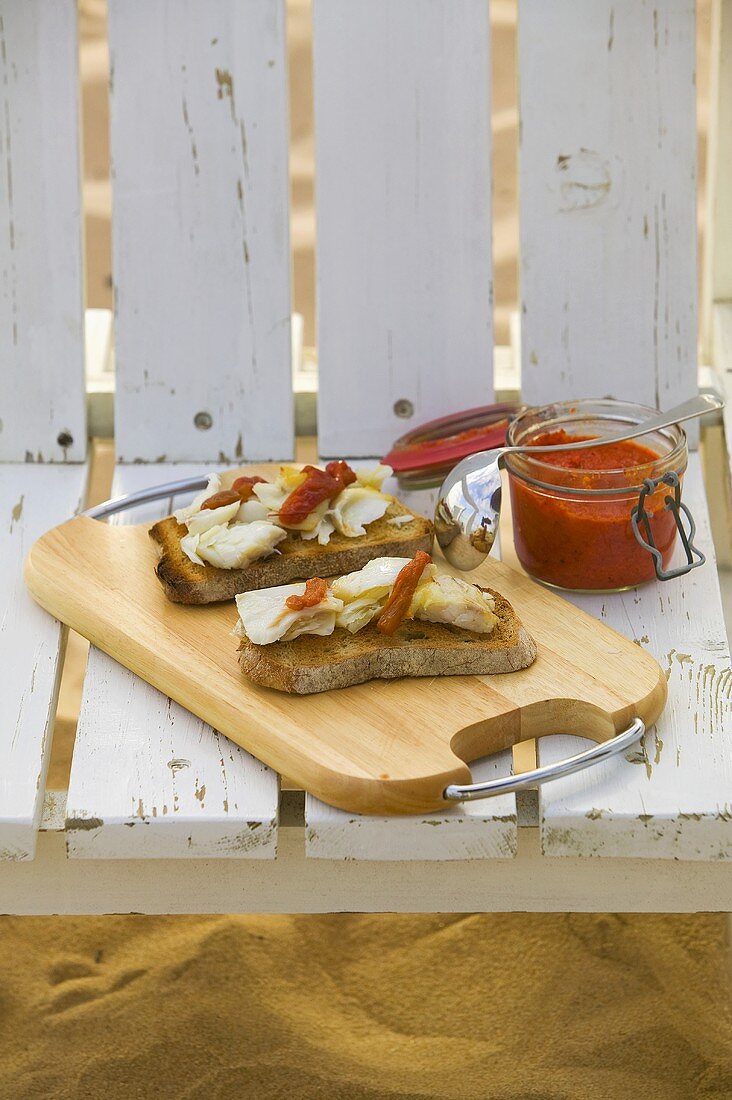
point(425, 455)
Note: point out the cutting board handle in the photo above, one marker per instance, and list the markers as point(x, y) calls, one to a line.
point(456, 792)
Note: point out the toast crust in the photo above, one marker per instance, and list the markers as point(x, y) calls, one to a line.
point(313, 663)
point(298, 559)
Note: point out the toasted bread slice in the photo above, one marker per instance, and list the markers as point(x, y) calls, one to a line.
point(297, 559)
point(314, 663)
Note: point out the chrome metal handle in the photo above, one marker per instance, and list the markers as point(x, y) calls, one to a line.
point(457, 793)
point(144, 496)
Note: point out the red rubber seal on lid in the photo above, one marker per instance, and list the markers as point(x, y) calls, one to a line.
point(443, 442)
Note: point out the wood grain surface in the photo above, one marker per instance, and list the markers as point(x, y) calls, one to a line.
point(381, 747)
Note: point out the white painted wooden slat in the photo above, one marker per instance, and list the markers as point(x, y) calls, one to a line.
point(41, 296)
point(472, 830)
point(33, 498)
point(673, 797)
point(608, 205)
point(148, 779)
point(403, 208)
point(200, 230)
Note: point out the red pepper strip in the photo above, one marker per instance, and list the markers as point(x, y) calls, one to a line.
point(218, 500)
point(317, 487)
point(342, 472)
point(316, 590)
point(244, 486)
point(400, 597)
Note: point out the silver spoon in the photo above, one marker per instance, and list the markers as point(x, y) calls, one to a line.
point(469, 504)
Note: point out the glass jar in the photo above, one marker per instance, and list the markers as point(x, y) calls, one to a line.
point(572, 517)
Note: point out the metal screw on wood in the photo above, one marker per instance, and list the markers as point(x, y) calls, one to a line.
point(403, 408)
point(203, 421)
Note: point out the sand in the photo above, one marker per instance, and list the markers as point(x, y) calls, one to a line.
point(507, 1007)
point(542, 1007)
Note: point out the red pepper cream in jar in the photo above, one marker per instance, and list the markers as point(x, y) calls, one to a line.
point(572, 509)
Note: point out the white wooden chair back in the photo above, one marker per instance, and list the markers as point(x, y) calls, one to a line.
point(202, 319)
point(201, 244)
point(403, 165)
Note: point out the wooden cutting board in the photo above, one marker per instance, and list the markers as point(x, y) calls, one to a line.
point(381, 747)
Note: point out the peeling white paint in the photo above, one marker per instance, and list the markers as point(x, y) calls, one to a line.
point(41, 304)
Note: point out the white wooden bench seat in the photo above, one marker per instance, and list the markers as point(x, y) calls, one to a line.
point(659, 825)
point(611, 810)
point(162, 814)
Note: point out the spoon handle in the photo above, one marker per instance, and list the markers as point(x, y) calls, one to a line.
point(687, 410)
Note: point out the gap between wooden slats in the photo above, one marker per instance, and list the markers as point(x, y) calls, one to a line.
point(32, 499)
point(485, 829)
point(148, 779)
point(672, 797)
point(402, 124)
point(199, 138)
point(608, 200)
point(41, 309)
